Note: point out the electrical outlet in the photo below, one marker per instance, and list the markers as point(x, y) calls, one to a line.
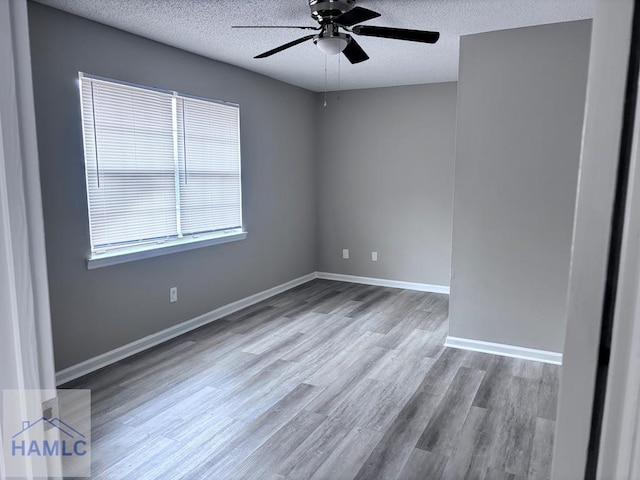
point(50, 411)
point(374, 256)
point(345, 253)
point(173, 294)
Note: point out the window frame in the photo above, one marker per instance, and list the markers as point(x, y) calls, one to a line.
point(156, 247)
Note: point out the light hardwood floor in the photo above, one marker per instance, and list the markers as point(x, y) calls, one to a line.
point(329, 380)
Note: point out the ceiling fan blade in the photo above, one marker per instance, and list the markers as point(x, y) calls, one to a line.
point(285, 46)
point(354, 52)
point(354, 16)
point(277, 26)
point(397, 33)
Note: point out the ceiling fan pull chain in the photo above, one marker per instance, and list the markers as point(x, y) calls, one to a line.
point(325, 80)
point(339, 85)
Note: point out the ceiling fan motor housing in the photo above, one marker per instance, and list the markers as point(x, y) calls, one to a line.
point(325, 11)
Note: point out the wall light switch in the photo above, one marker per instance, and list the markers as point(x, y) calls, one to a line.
point(374, 256)
point(345, 253)
point(173, 294)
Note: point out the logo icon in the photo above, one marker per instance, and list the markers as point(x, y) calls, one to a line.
point(71, 441)
point(46, 433)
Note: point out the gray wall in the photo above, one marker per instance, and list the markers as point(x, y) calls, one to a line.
point(385, 182)
point(97, 311)
point(521, 96)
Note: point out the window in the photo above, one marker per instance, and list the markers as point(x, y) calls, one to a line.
point(162, 170)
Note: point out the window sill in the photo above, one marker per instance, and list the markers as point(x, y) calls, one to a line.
point(130, 254)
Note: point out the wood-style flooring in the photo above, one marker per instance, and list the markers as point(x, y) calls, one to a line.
point(329, 380)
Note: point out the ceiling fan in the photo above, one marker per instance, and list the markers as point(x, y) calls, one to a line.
point(334, 15)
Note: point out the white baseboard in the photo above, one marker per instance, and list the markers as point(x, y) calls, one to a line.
point(381, 282)
point(504, 350)
point(154, 339)
point(120, 353)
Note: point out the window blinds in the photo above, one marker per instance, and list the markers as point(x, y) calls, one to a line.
point(160, 166)
point(209, 191)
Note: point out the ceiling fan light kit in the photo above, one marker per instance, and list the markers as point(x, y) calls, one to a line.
point(333, 15)
point(332, 44)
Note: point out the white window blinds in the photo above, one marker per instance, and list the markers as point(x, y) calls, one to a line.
point(160, 166)
point(209, 191)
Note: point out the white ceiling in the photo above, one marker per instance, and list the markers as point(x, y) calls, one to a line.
point(204, 27)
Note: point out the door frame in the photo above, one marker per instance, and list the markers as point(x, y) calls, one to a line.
point(26, 345)
point(595, 306)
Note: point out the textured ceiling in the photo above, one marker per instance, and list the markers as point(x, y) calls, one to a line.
point(204, 27)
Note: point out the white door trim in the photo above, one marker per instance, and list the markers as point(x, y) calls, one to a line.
point(32, 191)
point(610, 43)
point(26, 346)
point(621, 419)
